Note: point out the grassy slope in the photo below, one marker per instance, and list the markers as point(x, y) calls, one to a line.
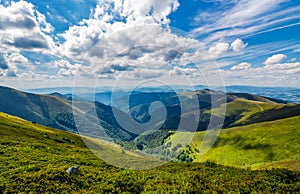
point(246, 112)
point(32, 107)
point(268, 144)
point(34, 159)
point(56, 112)
point(241, 109)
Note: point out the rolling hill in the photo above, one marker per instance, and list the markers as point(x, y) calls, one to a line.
point(244, 111)
point(58, 112)
point(268, 144)
point(34, 159)
point(241, 108)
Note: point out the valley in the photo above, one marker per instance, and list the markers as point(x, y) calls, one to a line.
point(257, 149)
point(34, 159)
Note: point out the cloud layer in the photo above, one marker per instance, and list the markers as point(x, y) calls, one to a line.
point(23, 27)
point(134, 40)
point(273, 71)
point(244, 18)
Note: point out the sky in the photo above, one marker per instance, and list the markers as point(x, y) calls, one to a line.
point(134, 42)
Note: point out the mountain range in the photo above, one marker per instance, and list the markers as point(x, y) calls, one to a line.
point(258, 133)
point(103, 94)
point(60, 111)
point(35, 158)
point(57, 111)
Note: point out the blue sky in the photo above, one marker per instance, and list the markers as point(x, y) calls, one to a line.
point(125, 42)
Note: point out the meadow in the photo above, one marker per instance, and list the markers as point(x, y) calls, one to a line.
point(272, 144)
point(34, 159)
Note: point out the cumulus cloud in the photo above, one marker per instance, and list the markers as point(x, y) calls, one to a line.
point(238, 45)
point(277, 72)
point(158, 10)
point(177, 71)
point(110, 17)
point(28, 42)
point(218, 49)
point(3, 63)
point(146, 73)
point(283, 66)
point(44, 25)
point(14, 64)
point(242, 66)
point(131, 39)
point(23, 27)
point(66, 69)
point(18, 62)
point(275, 59)
point(121, 67)
point(221, 48)
point(139, 48)
point(17, 58)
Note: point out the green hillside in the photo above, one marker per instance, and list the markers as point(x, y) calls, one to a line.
point(241, 108)
point(57, 112)
point(267, 144)
point(34, 160)
point(241, 111)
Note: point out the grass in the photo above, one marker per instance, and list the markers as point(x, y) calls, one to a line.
point(34, 160)
point(245, 112)
point(263, 145)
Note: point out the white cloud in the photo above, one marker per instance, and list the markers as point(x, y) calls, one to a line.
point(110, 17)
point(159, 10)
point(293, 60)
point(128, 36)
point(275, 59)
point(283, 66)
point(177, 71)
point(122, 37)
point(238, 45)
point(242, 66)
point(146, 73)
point(3, 62)
point(44, 25)
point(297, 50)
point(222, 48)
point(66, 69)
point(23, 27)
point(243, 18)
point(12, 65)
point(17, 58)
point(275, 73)
point(218, 49)
point(131, 43)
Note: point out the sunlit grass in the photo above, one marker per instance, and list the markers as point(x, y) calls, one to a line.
point(257, 143)
point(34, 160)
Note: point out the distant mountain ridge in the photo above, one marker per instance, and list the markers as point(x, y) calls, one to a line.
point(57, 110)
point(242, 108)
point(287, 94)
point(103, 94)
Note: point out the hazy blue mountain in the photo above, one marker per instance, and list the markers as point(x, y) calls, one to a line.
point(55, 110)
point(58, 111)
point(242, 108)
point(103, 94)
point(280, 93)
